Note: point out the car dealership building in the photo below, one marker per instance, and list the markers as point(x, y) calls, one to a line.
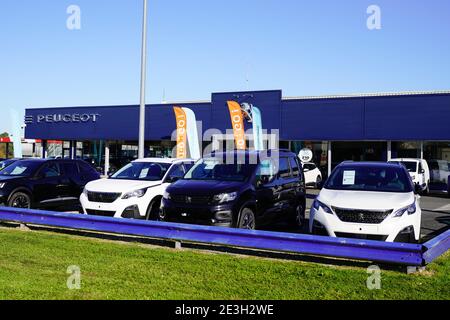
point(336, 128)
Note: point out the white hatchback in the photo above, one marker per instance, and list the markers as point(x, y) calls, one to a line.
point(375, 201)
point(313, 176)
point(135, 191)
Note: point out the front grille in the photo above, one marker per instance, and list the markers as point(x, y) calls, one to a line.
point(361, 236)
point(183, 199)
point(362, 216)
point(103, 197)
point(100, 213)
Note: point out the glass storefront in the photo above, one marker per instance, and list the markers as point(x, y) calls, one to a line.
point(437, 155)
point(320, 153)
point(358, 151)
point(406, 149)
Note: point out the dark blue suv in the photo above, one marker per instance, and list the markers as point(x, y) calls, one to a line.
point(239, 189)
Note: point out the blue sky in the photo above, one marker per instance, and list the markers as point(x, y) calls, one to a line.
point(201, 46)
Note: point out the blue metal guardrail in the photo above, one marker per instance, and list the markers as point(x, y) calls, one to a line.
point(376, 251)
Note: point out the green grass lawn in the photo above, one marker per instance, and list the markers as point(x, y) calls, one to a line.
point(33, 265)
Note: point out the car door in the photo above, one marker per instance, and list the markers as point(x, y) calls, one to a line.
point(290, 185)
point(45, 184)
point(268, 192)
point(87, 173)
point(298, 184)
point(72, 180)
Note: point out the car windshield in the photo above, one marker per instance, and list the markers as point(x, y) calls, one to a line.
point(21, 168)
point(370, 178)
point(214, 169)
point(410, 166)
point(5, 163)
point(147, 171)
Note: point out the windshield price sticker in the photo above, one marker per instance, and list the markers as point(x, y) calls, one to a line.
point(144, 173)
point(210, 165)
point(349, 178)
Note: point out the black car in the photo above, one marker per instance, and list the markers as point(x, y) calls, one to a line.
point(239, 189)
point(44, 183)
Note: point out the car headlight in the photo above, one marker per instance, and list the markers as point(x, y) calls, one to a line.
point(225, 197)
point(135, 194)
point(317, 204)
point(166, 195)
point(2, 185)
point(411, 209)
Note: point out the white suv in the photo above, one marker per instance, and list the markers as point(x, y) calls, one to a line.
point(418, 170)
point(313, 176)
point(135, 191)
point(365, 200)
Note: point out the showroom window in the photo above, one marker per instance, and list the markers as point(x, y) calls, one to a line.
point(320, 153)
point(437, 155)
point(406, 149)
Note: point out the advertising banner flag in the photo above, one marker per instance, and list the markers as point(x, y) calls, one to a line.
point(256, 119)
point(181, 118)
point(237, 120)
point(192, 134)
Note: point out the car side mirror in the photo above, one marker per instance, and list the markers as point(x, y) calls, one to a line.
point(263, 180)
point(305, 170)
point(422, 171)
point(172, 179)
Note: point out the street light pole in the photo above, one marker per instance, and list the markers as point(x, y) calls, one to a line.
point(143, 78)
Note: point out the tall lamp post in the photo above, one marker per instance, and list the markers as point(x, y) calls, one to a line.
point(143, 79)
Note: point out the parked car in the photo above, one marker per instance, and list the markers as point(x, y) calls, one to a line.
point(313, 176)
point(439, 172)
point(240, 189)
point(135, 191)
point(418, 170)
point(368, 200)
point(44, 183)
point(6, 162)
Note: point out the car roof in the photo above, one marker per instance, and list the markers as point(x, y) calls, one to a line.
point(162, 160)
point(377, 164)
point(251, 153)
point(407, 159)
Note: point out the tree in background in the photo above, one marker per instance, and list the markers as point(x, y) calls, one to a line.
point(3, 147)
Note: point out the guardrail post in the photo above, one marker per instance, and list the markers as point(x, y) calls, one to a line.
point(24, 227)
point(415, 270)
point(177, 245)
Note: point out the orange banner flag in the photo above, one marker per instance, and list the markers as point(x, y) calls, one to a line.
point(237, 120)
point(181, 119)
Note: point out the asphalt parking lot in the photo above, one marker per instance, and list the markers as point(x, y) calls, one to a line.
point(435, 215)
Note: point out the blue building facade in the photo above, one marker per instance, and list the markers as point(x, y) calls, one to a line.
point(363, 127)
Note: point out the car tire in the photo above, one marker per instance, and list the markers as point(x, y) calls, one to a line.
point(298, 220)
point(153, 210)
point(318, 181)
point(20, 200)
point(247, 220)
point(426, 191)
